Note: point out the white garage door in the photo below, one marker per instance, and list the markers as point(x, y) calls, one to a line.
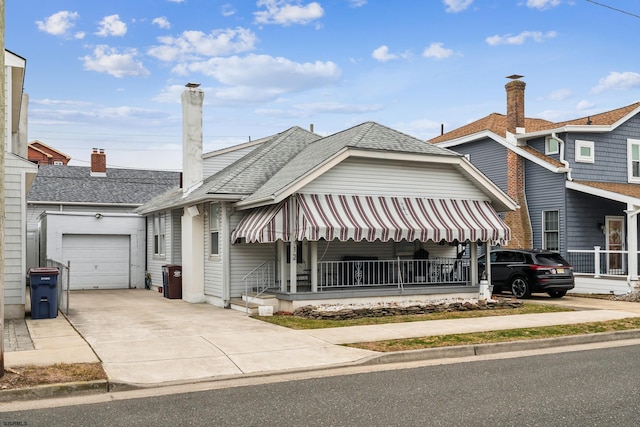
point(97, 261)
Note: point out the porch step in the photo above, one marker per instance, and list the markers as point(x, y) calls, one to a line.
point(239, 304)
point(262, 299)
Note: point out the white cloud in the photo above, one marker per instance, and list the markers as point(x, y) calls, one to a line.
point(618, 81)
point(108, 60)
point(455, 6)
point(111, 26)
point(542, 4)
point(585, 105)
point(357, 3)
point(196, 44)
point(285, 12)
point(162, 22)
point(58, 24)
point(536, 36)
point(262, 77)
point(228, 10)
point(176, 1)
point(435, 50)
point(560, 94)
point(382, 54)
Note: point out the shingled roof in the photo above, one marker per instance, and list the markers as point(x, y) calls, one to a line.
point(366, 136)
point(74, 184)
point(497, 123)
point(244, 175)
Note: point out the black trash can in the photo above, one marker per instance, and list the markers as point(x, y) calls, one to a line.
point(43, 282)
point(172, 281)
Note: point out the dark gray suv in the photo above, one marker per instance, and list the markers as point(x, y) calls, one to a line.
point(522, 272)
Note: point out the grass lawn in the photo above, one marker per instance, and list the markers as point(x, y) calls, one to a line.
point(295, 322)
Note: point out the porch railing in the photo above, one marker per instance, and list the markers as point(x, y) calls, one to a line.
point(259, 280)
point(397, 273)
point(599, 262)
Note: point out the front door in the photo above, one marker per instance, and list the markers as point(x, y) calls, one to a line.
point(614, 232)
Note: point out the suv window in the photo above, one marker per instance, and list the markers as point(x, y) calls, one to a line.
point(508, 256)
point(550, 259)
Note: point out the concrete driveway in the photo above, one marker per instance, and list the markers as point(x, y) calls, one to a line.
point(143, 338)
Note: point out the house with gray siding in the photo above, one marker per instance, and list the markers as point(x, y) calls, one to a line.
point(576, 183)
point(366, 213)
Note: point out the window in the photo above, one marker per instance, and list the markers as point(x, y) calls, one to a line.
point(551, 146)
point(584, 151)
point(58, 163)
point(633, 160)
point(214, 228)
point(159, 224)
point(551, 230)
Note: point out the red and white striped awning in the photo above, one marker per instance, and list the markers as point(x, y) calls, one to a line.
point(351, 217)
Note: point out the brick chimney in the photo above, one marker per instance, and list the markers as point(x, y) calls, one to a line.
point(519, 220)
point(515, 103)
point(98, 163)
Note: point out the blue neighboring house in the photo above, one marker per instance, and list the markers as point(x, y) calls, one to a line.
point(576, 183)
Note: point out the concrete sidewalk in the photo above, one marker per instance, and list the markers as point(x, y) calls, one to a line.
point(143, 339)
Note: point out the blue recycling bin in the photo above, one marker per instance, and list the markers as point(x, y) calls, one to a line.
point(43, 282)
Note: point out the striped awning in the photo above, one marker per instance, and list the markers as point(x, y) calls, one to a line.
point(384, 218)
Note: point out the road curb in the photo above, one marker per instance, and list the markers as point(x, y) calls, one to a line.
point(106, 386)
point(495, 348)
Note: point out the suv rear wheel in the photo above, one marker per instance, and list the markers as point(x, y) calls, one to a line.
point(557, 294)
point(520, 287)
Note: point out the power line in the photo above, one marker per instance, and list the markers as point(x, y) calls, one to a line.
point(615, 9)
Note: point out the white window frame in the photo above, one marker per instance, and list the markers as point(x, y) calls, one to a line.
point(630, 162)
point(159, 234)
point(585, 144)
point(214, 229)
point(547, 145)
point(548, 232)
point(58, 163)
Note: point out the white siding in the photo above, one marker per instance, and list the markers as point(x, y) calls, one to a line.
point(15, 229)
point(384, 178)
point(155, 262)
point(213, 264)
point(214, 163)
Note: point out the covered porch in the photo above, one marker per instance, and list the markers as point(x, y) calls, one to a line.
point(368, 245)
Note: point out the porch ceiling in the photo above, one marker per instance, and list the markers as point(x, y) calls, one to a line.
point(352, 217)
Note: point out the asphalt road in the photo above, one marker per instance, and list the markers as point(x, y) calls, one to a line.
point(578, 388)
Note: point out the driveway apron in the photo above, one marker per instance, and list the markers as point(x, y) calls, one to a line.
point(142, 338)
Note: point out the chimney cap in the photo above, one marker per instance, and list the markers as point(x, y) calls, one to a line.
point(192, 84)
point(515, 76)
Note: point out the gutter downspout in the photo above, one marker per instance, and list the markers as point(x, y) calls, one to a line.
point(562, 153)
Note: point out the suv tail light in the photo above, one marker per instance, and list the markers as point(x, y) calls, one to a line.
point(547, 269)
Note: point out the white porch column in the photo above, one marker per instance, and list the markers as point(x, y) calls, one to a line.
point(313, 248)
point(473, 260)
point(487, 261)
point(632, 240)
point(192, 255)
point(282, 267)
point(225, 251)
point(293, 246)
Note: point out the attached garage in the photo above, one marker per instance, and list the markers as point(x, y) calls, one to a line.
point(97, 261)
point(104, 251)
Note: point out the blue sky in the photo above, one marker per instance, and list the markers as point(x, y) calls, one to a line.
point(109, 74)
